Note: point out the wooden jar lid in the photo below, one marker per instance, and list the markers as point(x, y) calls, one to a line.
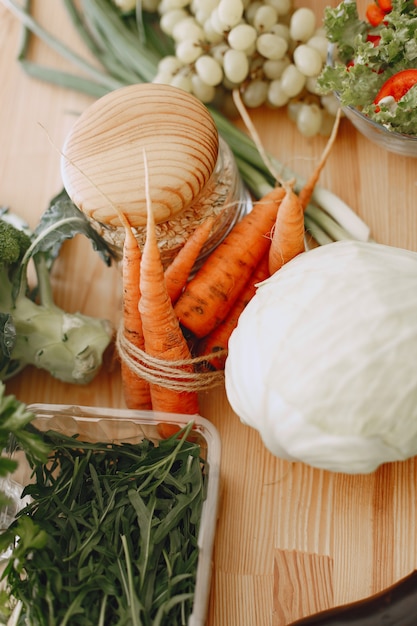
point(102, 165)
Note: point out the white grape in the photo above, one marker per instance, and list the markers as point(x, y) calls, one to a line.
point(182, 82)
point(188, 50)
point(255, 94)
point(271, 46)
point(308, 60)
point(311, 85)
point(211, 34)
point(309, 119)
point(264, 18)
point(242, 36)
point(230, 12)
point(293, 107)
point(204, 92)
point(187, 29)
point(229, 85)
point(251, 50)
point(250, 11)
point(292, 80)
point(170, 64)
point(282, 7)
point(209, 70)
point(330, 103)
point(218, 52)
point(235, 65)
point(273, 68)
point(302, 24)
point(277, 97)
point(162, 78)
point(202, 9)
point(256, 66)
point(201, 15)
point(217, 24)
point(170, 18)
point(282, 30)
point(169, 5)
point(321, 44)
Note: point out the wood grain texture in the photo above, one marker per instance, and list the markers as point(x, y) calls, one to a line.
point(290, 540)
point(103, 155)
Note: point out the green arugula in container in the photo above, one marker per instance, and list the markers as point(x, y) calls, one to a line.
point(111, 533)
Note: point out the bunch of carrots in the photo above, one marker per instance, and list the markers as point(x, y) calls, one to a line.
point(180, 325)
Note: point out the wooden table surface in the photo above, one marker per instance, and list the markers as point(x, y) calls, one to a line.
point(291, 540)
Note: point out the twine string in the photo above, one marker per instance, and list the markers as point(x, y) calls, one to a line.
point(176, 375)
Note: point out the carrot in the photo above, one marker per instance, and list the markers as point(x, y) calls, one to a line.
point(218, 339)
point(287, 239)
point(211, 293)
point(178, 271)
point(161, 330)
point(135, 389)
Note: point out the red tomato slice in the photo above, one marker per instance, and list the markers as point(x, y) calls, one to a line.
point(375, 39)
point(385, 5)
point(374, 14)
point(397, 85)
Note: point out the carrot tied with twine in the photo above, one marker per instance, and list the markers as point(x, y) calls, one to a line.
point(136, 388)
point(162, 333)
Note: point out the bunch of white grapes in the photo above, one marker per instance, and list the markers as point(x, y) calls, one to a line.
point(272, 52)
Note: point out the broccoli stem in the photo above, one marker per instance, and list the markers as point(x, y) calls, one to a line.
point(70, 346)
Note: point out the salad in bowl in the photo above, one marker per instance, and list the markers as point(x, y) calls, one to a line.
point(372, 68)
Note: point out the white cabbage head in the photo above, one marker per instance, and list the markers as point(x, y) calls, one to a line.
point(323, 362)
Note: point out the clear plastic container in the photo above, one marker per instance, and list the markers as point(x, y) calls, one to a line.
point(123, 425)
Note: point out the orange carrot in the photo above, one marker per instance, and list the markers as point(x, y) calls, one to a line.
point(218, 339)
point(288, 232)
point(287, 239)
point(211, 293)
point(178, 271)
point(135, 389)
point(161, 330)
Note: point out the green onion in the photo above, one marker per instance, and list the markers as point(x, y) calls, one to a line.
point(128, 49)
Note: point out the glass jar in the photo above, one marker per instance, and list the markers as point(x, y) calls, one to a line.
point(224, 196)
point(191, 170)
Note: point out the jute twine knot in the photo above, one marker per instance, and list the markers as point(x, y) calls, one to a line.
point(180, 375)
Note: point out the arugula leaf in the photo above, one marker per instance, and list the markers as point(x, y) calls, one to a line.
point(113, 533)
point(16, 432)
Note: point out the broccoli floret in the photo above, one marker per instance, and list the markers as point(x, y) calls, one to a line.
point(13, 243)
point(33, 330)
